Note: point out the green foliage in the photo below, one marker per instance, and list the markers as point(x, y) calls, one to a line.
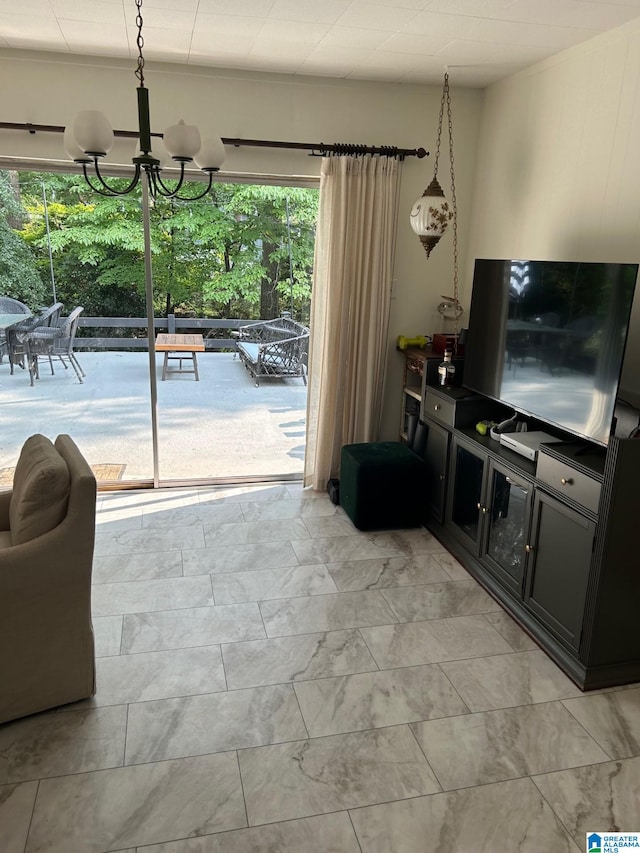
point(19, 275)
point(221, 256)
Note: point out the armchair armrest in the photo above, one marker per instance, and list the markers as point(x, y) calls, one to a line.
point(42, 340)
point(5, 501)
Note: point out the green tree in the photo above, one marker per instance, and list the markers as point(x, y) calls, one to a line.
point(96, 242)
point(19, 274)
point(226, 255)
point(265, 244)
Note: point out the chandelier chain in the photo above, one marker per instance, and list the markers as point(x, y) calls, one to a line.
point(140, 43)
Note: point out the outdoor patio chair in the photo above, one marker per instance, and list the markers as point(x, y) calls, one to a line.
point(56, 341)
point(276, 347)
point(8, 305)
point(18, 338)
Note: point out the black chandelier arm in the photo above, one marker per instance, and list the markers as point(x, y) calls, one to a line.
point(199, 195)
point(158, 186)
point(104, 188)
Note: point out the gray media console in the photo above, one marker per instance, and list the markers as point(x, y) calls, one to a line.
point(556, 540)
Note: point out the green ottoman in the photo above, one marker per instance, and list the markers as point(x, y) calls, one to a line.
point(382, 485)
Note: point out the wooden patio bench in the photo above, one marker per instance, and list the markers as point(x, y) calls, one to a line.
point(276, 347)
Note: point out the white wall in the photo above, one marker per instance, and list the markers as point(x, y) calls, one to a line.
point(558, 173)
point(51, 88)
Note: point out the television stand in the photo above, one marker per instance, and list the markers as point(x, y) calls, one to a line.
point(553, 540)
point(587, 449)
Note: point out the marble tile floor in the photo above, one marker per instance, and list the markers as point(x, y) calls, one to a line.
point(271, 680)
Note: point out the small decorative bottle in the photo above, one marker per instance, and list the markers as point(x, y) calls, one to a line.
point(446, 370)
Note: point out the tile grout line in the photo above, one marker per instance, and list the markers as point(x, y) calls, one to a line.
point(532, 779)
point(31, 816)
point(424, 754)
point(586, 730)
point(373, 657)
point(244, 797)
point(354, 830)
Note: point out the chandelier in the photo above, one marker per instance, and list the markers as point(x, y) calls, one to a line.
point(90, 137)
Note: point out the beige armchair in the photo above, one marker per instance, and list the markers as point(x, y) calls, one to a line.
point(47, 531)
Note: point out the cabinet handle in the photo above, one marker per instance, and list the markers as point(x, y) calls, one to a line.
point(508, 480)
point(478, 505)
point(528, 549)
point(442, 477)
point(437, 407)
point(566, 481)
point(484, 510)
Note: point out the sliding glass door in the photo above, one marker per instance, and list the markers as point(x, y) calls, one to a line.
point(241, 255)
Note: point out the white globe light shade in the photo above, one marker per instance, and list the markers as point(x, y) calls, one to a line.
point(211, 155)
point(430, 216)
point(74, 152)
point(92, 132)
point(182, 141)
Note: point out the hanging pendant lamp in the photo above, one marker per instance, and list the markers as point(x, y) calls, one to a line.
point(431, 214)
point(90, 137)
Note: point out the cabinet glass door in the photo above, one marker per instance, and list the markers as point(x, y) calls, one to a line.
point(466, 497)
point(508, 524)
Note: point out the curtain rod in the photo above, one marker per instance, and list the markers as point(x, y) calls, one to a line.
point(316, 149)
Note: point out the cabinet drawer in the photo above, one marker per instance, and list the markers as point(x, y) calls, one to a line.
point(439, 409)
point(581, 488)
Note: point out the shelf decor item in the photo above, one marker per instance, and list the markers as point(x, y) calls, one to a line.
point(450, 308)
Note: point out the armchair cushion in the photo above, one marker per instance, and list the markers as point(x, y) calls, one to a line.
point(40, 490)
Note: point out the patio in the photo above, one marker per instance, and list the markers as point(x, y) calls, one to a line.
point(221, 427)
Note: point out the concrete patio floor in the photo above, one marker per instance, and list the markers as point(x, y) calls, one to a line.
point(221, 427)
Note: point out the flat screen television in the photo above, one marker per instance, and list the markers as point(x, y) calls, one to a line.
point(547, 339)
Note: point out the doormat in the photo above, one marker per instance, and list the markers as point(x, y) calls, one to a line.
point(108, 471)
point(103, 473)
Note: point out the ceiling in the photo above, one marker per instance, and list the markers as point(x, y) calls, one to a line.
point(409, 41)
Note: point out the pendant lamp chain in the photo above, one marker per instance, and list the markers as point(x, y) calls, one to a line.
point(140, 43)
point(432, 213)
point(454, 201)
point(91, 136)
point(443, 97)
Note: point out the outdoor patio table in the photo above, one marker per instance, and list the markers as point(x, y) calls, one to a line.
point(7, 320)
point(177, 348)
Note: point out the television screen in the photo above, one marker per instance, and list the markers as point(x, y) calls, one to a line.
point(547, 338)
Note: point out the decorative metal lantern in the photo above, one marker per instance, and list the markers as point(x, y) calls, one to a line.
point(430, 216)
point(432, 213)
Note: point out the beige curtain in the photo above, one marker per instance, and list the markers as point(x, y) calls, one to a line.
point(350, 308)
